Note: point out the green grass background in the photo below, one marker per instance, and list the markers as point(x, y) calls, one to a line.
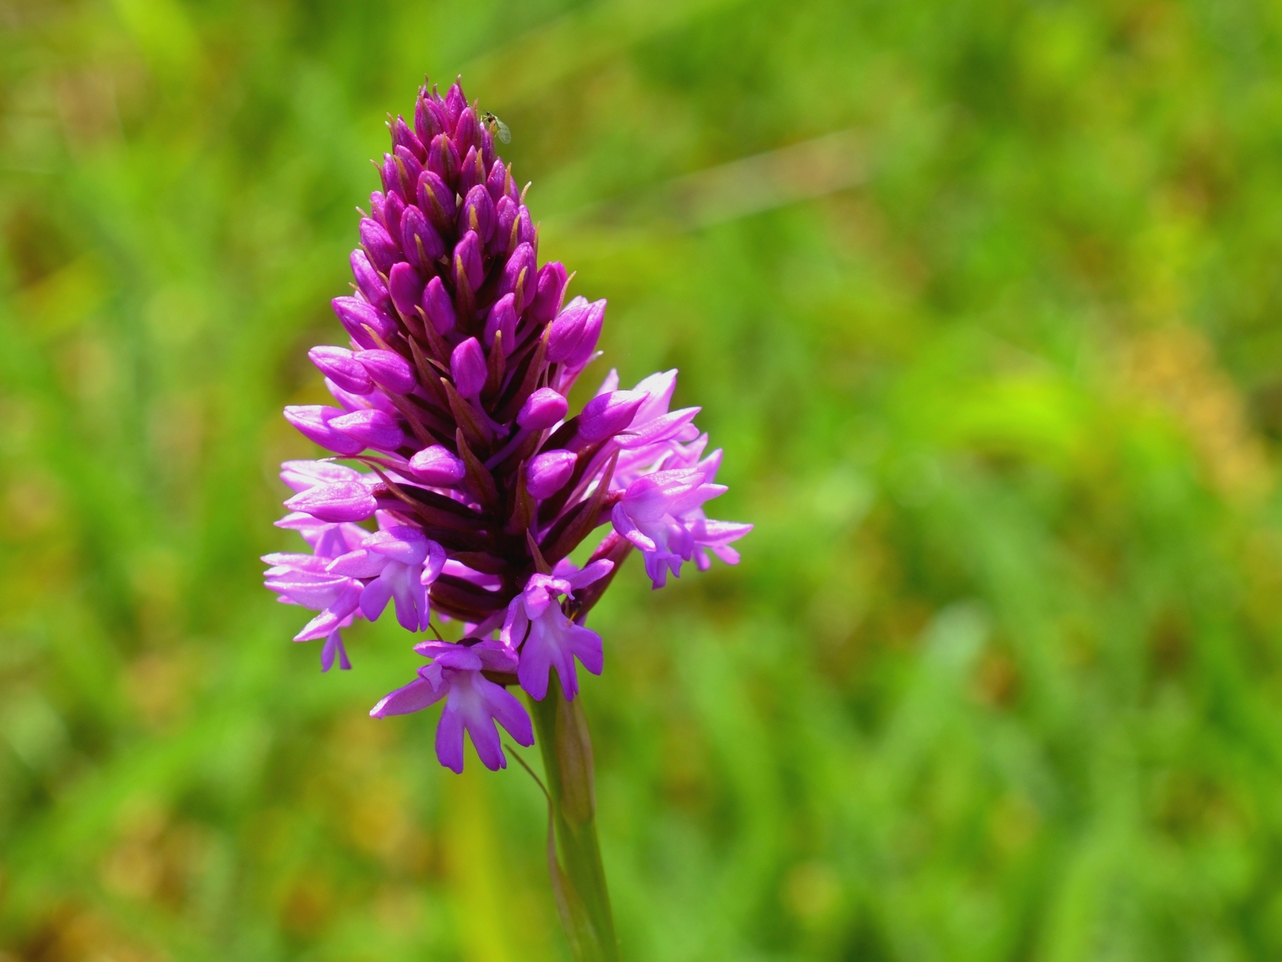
point(997, 370)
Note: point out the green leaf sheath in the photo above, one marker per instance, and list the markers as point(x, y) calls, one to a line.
point(579, 881)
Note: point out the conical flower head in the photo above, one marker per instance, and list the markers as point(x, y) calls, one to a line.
point(451, 392)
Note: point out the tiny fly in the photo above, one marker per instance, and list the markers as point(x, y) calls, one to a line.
point(497, 127)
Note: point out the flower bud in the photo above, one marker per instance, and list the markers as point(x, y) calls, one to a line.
point(608, 414)
point(368, 282)
point(429, 119)
point(335, 503)
point(443, 159)
point(406, 288)
point(455, 104)
point(467, 367)
point(389, 174)
point(356, 315)
point(436, 200)
point(402, 136)
point(378, 244)
point(340, 366)
point(472, 171)
point(393, 211)
point(546, 473)
point(497, 181)
point(550, 292)
point(358, 402)
point(467, 265)
point(437, 466)
point(467, 131)
point(502, 317)
point(477, 213)
point(389, 369)
point(408, 169)
point(519, 276)
point(542, 409)
point(312, 422)
point(582, 352)
point(567, 329)
point(523, 230)
point(372, 428)
point(505, 211)
point(420, 241)
point(438, 307)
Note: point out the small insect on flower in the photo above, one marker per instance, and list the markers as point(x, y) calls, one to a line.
point(497, 127)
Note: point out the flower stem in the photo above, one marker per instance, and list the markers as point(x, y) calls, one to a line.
point(578, 878)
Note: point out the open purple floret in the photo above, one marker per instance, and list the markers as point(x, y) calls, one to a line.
point(451, 398)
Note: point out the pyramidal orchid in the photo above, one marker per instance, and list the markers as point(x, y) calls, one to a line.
point(468, 480)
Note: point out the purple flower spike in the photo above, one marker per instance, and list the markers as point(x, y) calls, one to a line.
point(542, 409)
point(476, 470)
point(467, 367)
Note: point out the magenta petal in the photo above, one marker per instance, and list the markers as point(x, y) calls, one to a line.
point(532, 672)
point(374, 598)
point(344, 501)
point(415, 696)
point(449, 738)
point(485, 739)
point(387, 368)
point(511, 714)
point(586, 646)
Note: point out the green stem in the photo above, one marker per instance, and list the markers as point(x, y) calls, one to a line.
point(578, 881)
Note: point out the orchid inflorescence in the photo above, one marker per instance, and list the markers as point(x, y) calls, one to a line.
point(452, 394)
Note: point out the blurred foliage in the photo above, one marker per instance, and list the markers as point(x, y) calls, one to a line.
point(980, 297)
